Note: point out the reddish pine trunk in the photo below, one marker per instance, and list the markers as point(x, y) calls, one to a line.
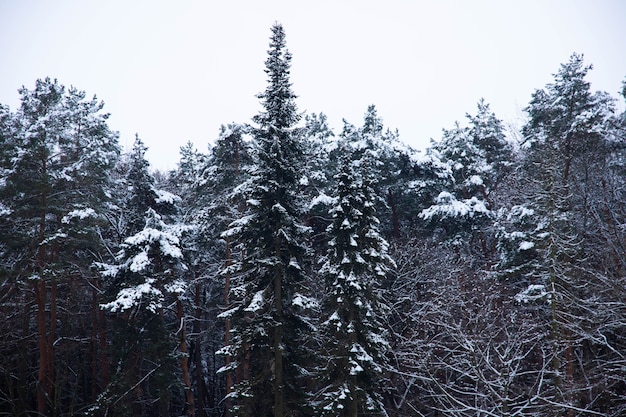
point(229, 375)
point(198, 352)
point(184, 361)
point(51, 339)
point(94, 348)
point(42, 379)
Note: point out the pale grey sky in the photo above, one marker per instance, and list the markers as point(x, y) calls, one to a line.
point(173, 71)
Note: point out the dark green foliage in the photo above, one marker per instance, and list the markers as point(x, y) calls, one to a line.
point(147, 274)
point(507, 300)
point(269, 281)
point(390, 163)
point(54, 190)
point(354, 340)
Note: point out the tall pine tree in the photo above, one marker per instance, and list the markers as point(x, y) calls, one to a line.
point(268, 287)
point(565, 140)
point(55, 187)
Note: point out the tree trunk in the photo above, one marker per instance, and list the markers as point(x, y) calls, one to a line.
point(227, 359)
point(197, 330)
point(104, 360)
point(94, 347)
point(50, 351)
point(42, 376)
point(184, 361)
point(279, 395)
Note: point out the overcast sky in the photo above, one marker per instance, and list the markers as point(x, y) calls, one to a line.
point(174, 71)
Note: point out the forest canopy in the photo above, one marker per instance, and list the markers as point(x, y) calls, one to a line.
point(291, 270)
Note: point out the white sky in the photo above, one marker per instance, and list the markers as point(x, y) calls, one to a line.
point(174, 71)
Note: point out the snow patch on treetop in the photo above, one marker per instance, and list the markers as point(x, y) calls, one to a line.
point(447, 206)
point(4, 210)
point(79, 214)
point(129, 297)
point(166, 197)
point(532, 293)
point(304, 302)
point(323, 200)
point(169, 243)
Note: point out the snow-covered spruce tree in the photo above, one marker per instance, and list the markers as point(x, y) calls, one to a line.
point(354, 340)
point(53, 191)
point(143, 194)
point(190, 165)
point(217, 200)
point(390, 163)
point(472, 160)
point(488, 134)
point(146, 276)
point(268, 290)
point(318, 144)
point(460, 207)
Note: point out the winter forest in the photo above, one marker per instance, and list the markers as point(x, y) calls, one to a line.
point(296, 271)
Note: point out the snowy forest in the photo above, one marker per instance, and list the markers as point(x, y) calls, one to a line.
point(291, 270)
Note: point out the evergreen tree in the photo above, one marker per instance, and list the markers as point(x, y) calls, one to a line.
point(143, 194)
point(318, 144)
point(147, 274)
point(269, 288)
point(390, 162)
point(471, 162)
point(55, 187)
point(217, 199)
point(565, 143)
point(564, 157)
point(487, 133)
point(320, 167)
point(183, 180)
point(217, 203)
point(8, 149)
point(460, 207)
point(354, 340)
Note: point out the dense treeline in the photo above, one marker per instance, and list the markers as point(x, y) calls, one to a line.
point(293, 270)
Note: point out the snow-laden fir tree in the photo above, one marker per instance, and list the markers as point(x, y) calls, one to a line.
point(389, 159)
point(354, 339)
point(318, 143)
point(472, 161)
point(146, 276)
point(268, 289)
